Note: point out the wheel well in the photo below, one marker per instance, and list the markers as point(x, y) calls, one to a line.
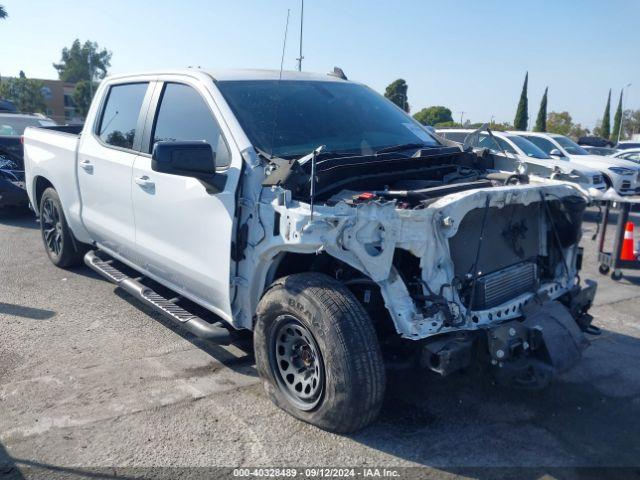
point(366, 291)
point(41, 184)
point(607, 180)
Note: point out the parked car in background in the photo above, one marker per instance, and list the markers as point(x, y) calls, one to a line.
point(12, 125)
point(625, 145)
point(7, 106)
point(511, 149)
point(602, 151)
point(632, 154)
point(594, 141)
point(621, 175)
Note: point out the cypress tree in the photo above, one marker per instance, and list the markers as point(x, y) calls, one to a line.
point(522, 113)
point(605, 128)
point(617, 119)
point(541, 121)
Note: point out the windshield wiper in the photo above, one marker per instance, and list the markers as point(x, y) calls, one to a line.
point(402, 146)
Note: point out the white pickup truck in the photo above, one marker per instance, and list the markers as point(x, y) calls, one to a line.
point(312, 211)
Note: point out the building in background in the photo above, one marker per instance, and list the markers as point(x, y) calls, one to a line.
point(58, 96)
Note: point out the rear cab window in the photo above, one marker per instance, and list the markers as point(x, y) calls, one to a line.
point(119, 118)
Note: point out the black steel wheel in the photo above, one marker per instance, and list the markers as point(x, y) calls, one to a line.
point(61, 247)
point(317, 353)
point(297, 362)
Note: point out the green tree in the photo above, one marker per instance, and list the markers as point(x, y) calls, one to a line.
point(83, 62)
point(577, 131)
point(559, 122)
point(617, 118)
point(434, 115)
point(605, 126)
point(451, 124)
point(82, 96)
point(522, 113)
point(3, 12)
point(397, 93)
point(25, 93)
point(631, 123)
point(501, 127)
point(541, 121)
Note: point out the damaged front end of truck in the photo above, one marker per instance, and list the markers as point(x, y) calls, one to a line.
point(453, 263)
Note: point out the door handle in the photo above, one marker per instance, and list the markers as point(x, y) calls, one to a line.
point(87, 166)
point(145, 182)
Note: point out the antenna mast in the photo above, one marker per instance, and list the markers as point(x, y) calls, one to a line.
point(284, 43)
point(300, 57)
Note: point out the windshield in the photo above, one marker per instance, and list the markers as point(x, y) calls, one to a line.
point(14, 126)
point(570, 146)
point(291, 117)
point(529, 149)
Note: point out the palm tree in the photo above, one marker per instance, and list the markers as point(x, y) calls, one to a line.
point(3, 12)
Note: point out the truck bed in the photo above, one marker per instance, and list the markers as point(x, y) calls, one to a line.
point(51, 153)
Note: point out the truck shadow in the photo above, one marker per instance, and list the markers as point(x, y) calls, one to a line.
point(18, 217)
point(464, 424)
point(25, 312)
point(236, 357)
point(12, 468)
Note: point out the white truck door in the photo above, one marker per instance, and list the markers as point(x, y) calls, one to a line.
point(183, 233)
point(105, 159)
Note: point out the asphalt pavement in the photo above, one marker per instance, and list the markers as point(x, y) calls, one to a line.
point(94, 385)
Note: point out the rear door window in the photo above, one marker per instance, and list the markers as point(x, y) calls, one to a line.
point(184, 115)
point(120, 114)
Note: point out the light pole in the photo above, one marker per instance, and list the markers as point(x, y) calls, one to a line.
point(461, 117)
point(622, 108)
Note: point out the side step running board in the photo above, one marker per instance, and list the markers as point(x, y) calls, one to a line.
point(196, 325)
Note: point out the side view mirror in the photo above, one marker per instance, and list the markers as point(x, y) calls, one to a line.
point(188, 159)
point(556, 153)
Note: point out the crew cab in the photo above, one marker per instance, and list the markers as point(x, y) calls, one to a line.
point(621, 175)
point(315, 213)
point(512, 150)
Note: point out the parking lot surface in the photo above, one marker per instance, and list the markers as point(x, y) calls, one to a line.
point(92, 380)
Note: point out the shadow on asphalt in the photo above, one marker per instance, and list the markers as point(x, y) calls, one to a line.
point(19, 469)
point(234, 361)
point(589, 417)
point(26, 312)
point(18, 217)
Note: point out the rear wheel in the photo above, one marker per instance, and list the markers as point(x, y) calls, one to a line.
point(317, 353)
point(63, 250)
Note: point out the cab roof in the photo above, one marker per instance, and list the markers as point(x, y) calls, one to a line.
point(236, 74)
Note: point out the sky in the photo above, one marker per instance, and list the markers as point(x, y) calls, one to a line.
point(470, 56)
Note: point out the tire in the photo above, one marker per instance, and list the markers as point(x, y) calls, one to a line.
point(61, 247)
point(616, 275)
point(316, 310)
point(603, 269)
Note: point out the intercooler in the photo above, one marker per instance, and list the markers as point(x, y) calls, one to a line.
point(499, 287)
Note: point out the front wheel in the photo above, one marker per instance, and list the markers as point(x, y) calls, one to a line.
point(63, 250)
point(317, 353)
